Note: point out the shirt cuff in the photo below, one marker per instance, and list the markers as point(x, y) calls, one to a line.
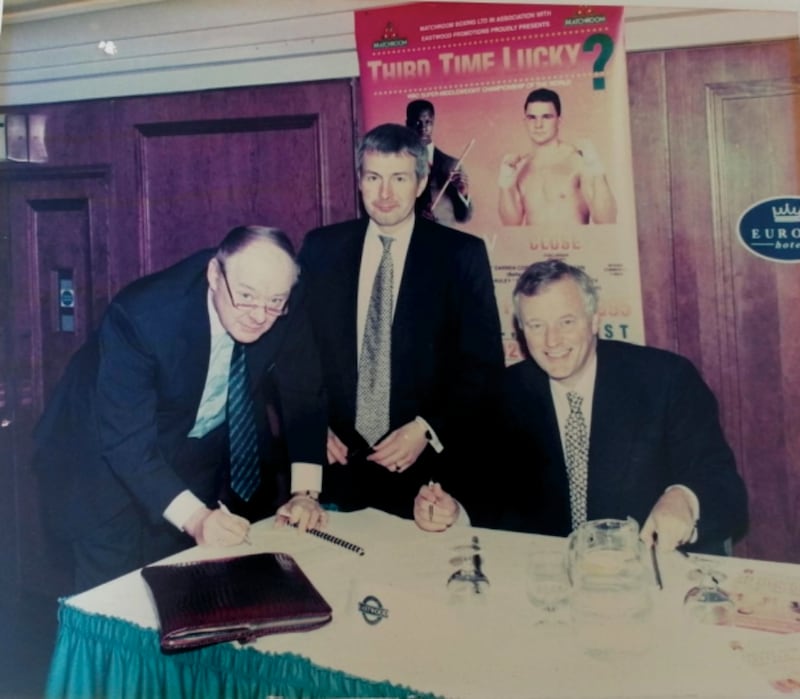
point(694, 506)
point(430, 435)
point(182, 507)
point(463, 519)
point(306, 476)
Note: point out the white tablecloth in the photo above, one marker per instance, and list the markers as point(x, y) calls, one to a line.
point(481, 647)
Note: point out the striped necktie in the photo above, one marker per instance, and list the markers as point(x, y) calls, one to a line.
point(242, 436)
point(375, 362)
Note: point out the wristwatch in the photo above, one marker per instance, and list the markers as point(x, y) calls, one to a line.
point(307, 494)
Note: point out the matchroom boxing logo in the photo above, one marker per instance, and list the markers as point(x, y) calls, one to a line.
point(390, 38)
point(770, 229)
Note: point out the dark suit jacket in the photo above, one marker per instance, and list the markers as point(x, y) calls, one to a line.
point(451, 207)
point(654, 424)
point(130, 395)
point(446, 347)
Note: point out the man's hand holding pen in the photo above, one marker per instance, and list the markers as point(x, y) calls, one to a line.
point(671, 522)
point(218, 527)
point(434, 509)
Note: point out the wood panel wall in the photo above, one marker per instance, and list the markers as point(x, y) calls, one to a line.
point(714, 131)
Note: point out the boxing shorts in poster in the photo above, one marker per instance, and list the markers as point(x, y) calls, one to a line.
point(525, 108)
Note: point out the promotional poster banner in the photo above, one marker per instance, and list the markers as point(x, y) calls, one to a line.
point(526, 111)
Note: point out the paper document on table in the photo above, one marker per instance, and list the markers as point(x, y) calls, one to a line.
point(776, 658)
point(766, 602)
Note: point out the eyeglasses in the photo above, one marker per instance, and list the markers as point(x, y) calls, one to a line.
point(276, 306)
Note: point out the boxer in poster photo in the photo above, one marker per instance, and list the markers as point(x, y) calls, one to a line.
point(555, 183)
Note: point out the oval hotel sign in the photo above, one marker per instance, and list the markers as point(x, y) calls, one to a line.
point(770, 229)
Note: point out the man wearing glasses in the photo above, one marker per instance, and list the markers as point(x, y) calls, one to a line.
point(174, 424)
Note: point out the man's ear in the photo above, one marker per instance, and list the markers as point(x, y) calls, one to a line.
point(423, 182)
point(213, 273)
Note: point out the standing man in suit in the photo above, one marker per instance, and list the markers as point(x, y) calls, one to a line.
point(142, 452)
point(599, 429)
point(438, 353)
point(455, 205)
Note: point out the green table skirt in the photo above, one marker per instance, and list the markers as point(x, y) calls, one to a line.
point(100, 657)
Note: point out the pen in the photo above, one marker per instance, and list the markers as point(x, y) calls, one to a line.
point(685, 554)
point(654, 559)
point(430, 507)
point(224, 508)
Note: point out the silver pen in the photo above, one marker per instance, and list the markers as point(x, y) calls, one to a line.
point(224, 508)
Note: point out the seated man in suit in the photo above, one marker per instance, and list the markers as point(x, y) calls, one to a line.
point(597, 428)
point(146, 448)
point(455, 205)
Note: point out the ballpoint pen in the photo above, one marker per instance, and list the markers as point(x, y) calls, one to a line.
point(654, 559)
point(685, 554)
point(224, 508)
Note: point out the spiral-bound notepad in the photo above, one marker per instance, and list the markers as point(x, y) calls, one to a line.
point(233, 599)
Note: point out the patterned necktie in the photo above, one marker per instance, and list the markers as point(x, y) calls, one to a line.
point(242, 436)
point(375, 363)
point(576, 451)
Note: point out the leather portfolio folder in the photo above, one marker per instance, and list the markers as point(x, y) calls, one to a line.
point(233, 599)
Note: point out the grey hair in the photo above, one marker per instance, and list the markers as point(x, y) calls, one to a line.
point(538, 276)
point(394, 139)
point(240, 237)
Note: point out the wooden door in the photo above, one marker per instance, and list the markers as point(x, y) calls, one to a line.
point(58, 233)
point(192, 166)
point(715, 130)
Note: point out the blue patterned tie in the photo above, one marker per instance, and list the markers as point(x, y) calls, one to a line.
point(375, 362)
point(242, 436)
point(576, 452)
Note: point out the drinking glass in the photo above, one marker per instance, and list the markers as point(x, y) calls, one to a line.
point(708, 603)
point(547, 585)
point(611, 614)
point(468, 580)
